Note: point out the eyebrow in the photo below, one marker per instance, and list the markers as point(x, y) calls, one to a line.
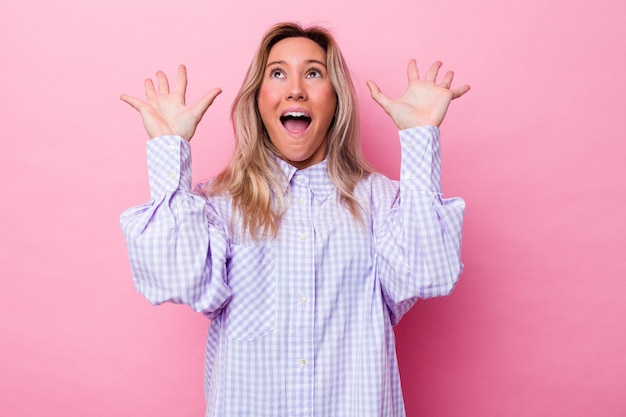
point(308, 61)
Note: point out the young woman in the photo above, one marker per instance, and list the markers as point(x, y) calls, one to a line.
point(302, 257)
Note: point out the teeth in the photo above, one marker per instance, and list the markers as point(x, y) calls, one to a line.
point(295, 114)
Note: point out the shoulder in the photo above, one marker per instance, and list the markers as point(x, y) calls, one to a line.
point(376, 183)
point(219, 204)
point(377, 191)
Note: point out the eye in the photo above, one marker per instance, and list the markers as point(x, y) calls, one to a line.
point(276, 73)
point(314, 73)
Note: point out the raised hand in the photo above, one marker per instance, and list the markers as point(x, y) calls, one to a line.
point(424, 103)
point(166, 113)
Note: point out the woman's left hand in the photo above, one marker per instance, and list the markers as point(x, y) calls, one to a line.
point(424, 103)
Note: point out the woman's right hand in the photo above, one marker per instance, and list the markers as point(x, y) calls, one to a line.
point(166, 113)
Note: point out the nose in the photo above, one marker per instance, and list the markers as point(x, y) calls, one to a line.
point(296, 90)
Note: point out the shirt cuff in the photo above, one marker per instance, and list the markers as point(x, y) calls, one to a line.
point(420, 169)
point(169, 165)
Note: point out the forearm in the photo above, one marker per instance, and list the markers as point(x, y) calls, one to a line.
point(175, 254)
point(419, 251)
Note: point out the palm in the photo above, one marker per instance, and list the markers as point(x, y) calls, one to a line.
point(424, 103)
point(169, 116)
point(166, 113)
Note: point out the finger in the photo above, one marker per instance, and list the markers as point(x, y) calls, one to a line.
point(447, 80)
point(411, 71)
point(164, 87)
point(180, 89)
point(378, 96)
point(431, 75)
point(458, 92)
point(203, 104)
point(134, 102)
point(149, 88)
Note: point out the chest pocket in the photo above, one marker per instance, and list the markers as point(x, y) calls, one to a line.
point(250, 313)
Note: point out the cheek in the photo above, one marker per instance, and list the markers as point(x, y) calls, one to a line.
point(330, 97)
point(261, 101)
point(330, 104)
point(266, 99)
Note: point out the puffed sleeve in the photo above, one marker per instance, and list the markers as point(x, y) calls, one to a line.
point(177, 244)
point(418, 232)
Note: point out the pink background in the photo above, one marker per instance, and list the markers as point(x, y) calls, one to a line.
point(537, 325)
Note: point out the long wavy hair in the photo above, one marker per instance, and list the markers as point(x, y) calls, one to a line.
point(253, 178)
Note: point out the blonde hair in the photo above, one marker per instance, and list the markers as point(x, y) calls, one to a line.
point(253, 178)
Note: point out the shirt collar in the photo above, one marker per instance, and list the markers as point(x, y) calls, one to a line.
point(315, 177)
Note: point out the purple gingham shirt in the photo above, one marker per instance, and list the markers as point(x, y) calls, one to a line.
point(301, 324)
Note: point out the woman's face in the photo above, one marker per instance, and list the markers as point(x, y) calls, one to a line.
point(297, 101)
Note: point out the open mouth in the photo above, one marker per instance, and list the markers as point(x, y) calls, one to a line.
point(295, 121)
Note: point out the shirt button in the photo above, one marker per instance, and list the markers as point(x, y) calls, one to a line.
point(300, 200)
point(408, 176)
point(409, 144)
point(302, 299)
point(302, 237)
point(171, 149)
point(302, 362)
point(172, 175)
